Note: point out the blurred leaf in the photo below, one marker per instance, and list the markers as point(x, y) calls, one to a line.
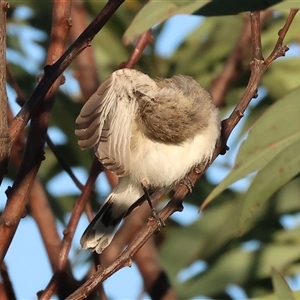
point(278, 79)
point(286, 4)
point(153, 13)
point(275, 174)
point(237, 267)
point(282, 289)
point(204, 237)
point(288, 197)
point(281, 123)
point(220, 31)
point(291, 236)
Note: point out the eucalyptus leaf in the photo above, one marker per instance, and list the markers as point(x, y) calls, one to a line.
point(275, 174)
point(153, 13)
point(286, 4)
point(237, 267)
point(282, 289)
point(275, 131)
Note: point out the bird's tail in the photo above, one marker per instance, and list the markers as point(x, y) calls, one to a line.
point(101, 230)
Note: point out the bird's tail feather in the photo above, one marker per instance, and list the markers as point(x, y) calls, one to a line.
point(101, 230)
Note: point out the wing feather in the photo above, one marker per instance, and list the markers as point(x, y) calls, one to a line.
point(105, 121)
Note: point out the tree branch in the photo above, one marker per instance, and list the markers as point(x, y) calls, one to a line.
point(235, 63)
point(9, 290)
point(63, 163)
point(144, 40)
point(258, 66)
point(33, 154)
point(69, 232)
point(5, 140)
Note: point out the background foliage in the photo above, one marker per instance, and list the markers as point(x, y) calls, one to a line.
point(241, 234)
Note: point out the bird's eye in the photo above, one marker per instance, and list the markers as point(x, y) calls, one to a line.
point(152, 100)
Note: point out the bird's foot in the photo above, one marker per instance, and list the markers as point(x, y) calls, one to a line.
point(188, 183)
point(159, 222)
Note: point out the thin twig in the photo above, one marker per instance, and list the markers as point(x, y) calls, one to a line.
point(5, 140)
point(235, 64)
point(9, 290)
point(62, 162)
point(85, 66)
point(124, 259)
point(278, 49)
point(70, 230)
point(255, 35)
point(144, 40)
point(258, 67)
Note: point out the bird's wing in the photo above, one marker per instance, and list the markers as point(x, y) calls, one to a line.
point(105, 120)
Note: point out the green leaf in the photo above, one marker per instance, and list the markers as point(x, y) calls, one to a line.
point(153, 13)
point(275, 174)
point(238, 266)
point(282, 289)
point(275, 131)
point(279, 79)
point(286, 4)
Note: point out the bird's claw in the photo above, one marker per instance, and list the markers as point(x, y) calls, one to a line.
point(188, 183)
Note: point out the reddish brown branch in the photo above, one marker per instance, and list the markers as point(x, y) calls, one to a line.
point(62, 162)
point(235, 64)
point(69, 232)
point(85, 65)
point(124, 259)
point(255, 35)
point(5, 140)
point(258, 67)
point(8, 287)
point(33, 154)
point(145, 39)
point(278, 49)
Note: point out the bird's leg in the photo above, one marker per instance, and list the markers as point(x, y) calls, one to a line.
point(188, 183)
point(154, 214)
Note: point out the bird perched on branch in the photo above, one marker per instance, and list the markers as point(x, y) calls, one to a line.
point(151, 133)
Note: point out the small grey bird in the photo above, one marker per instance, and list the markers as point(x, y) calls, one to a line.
point(151, 133)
